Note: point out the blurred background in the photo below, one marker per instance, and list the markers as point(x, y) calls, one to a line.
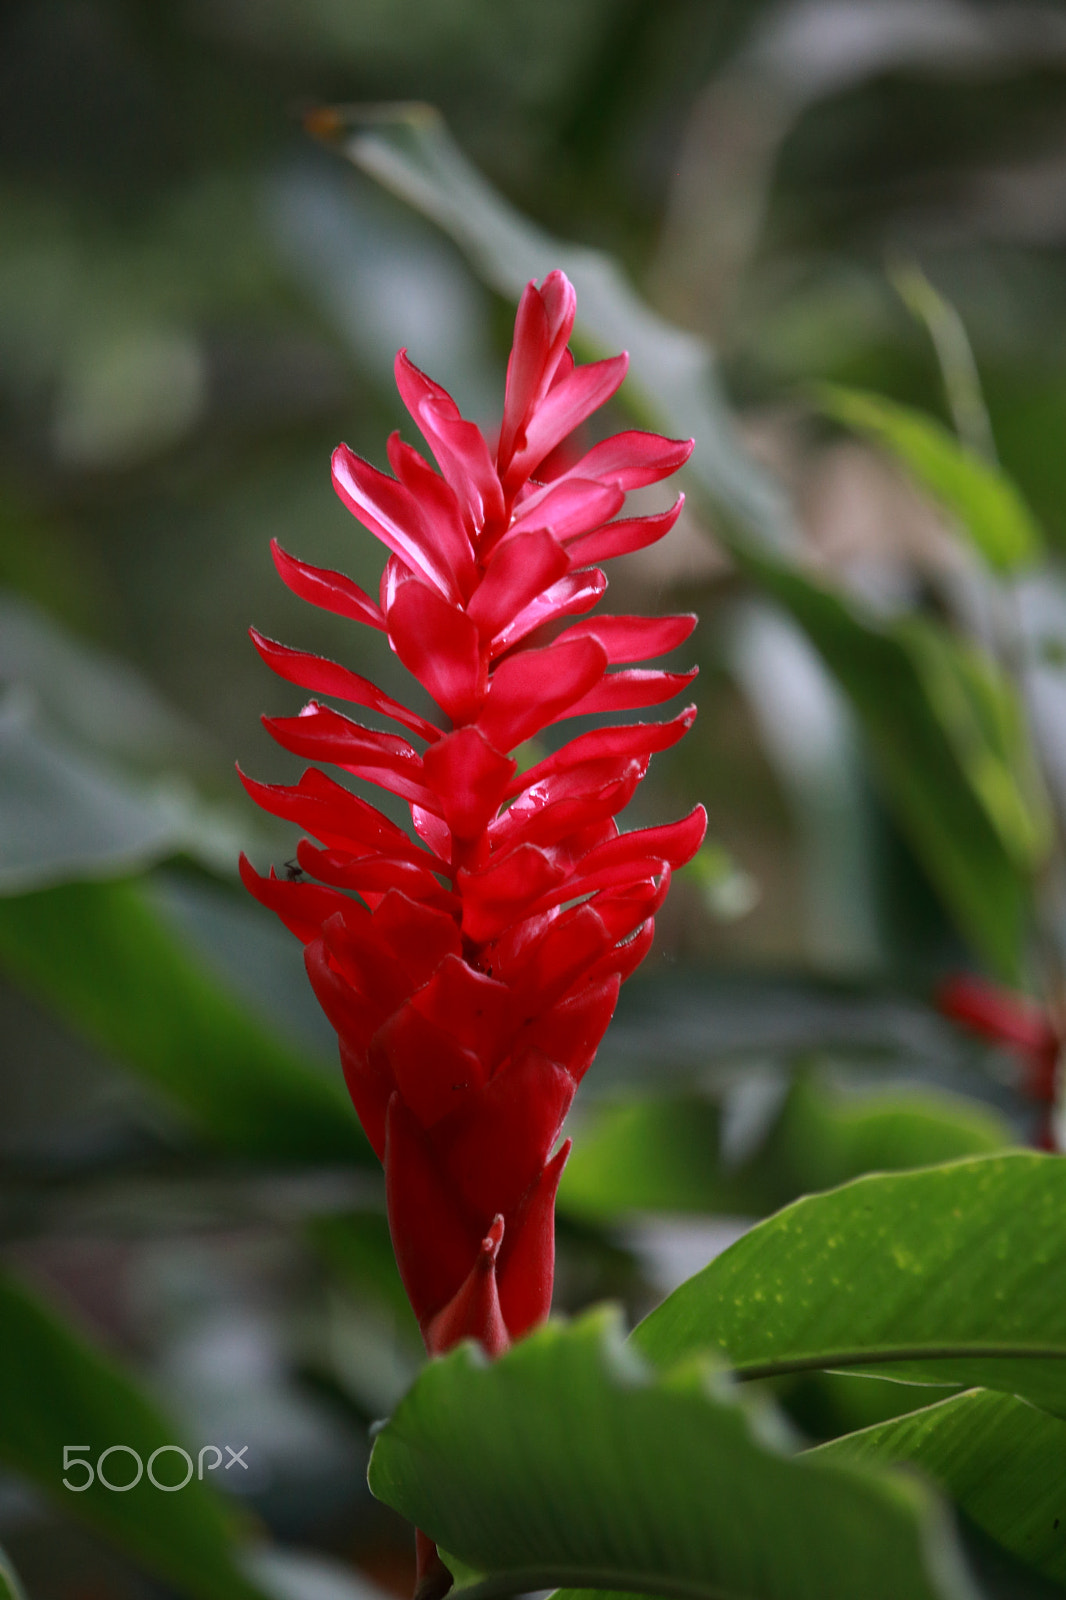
point(197, 301)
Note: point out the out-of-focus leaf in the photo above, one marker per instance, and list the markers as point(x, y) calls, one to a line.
point(306, 1575)
point(57, 1392)
point(887, 671)
point(89, 695)
point(92, 766)
point(566, 1461)
point(948, 1275)
point(673, 385)
point(980, 712)
point(983, 500)
point(358, 1246)
point(10, 1588)
point(702, 1022)
point(666, 1154)
point(109, 965)
point(998, 1458)
point(65, 816)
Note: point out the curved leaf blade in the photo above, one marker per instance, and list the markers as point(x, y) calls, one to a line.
point(986, 505)
point(948, 1275)
point(566, 1461)
point(998, 1458)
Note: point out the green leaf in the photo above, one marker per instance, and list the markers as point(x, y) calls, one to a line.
point(927, 750)
point(10, 1588)
point(999, 1459)
point(981, 713)
point(949, 1275)
point(358, 1247)
point(982, 499)
point(92, 766)
point(673, 385)
point(566, 1461)
point(664, 1153)
point(106, 961)
point(67, 815)
point(58, 1391)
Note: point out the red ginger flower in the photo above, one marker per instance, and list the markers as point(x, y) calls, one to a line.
point(1011, 1019)
point(470, 975)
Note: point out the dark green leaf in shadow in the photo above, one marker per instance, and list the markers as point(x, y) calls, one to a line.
point(665, 1154)
point(1000, 1459)
point(948, 1275)
point(101, 955)
point(566, 1461)
point(981, 499)
point(58, 1393)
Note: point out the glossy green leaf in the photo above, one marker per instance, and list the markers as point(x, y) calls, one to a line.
point(999, 1459)
point(665, 1154)
point(949, 1275)
point(57, 1392)
point(566, 1461)
point(673, 385)
point(104, 959)
point(982, 499)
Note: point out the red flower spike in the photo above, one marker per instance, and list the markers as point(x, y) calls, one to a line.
point(471, 968)
point(1016, 1021)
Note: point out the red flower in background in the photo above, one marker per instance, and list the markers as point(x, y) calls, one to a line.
point(1013, 1020)
point(470, 972)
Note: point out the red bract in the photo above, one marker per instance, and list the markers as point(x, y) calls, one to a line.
point(470, 971)
point(1015, 1021)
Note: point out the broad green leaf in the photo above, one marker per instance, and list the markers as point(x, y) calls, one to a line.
point(999, 1459)
point(57, 1391)
point(949, 1275)
point(664, 1154)
point(982, 499)
point(674, 386)
point(113, 970)
point(566, 1461)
